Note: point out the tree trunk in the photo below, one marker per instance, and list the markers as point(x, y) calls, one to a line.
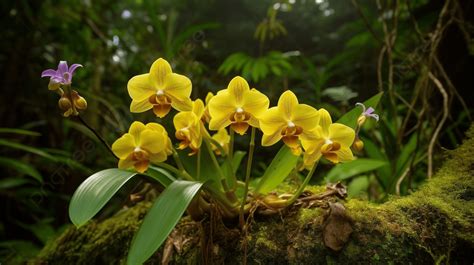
point(432, 225)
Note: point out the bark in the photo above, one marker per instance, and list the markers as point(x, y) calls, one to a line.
point(432, 225)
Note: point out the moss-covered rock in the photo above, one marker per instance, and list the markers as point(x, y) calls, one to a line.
point(432, 225)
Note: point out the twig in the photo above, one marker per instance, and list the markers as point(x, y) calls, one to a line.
point(441, 123)
point(400, 180)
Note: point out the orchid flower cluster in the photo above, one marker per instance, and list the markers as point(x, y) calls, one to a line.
point(308, 132)
point(299, 126)
point(70, 101)
point(208, 126)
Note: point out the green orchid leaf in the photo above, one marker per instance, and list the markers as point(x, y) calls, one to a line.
point(27, 148)
point(19, 131)
point(280, 167)
point(237, 160)
point(230, 169)
point(95, 192)
point(21, 167)
point(358, 186)
point(161, 175)
point(349, 169)
point(208, 172)
point(161, 219)
point(350, 118)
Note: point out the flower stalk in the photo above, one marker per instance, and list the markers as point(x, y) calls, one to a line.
point(247, 177)
point(303, 185)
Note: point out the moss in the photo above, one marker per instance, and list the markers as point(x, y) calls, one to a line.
point(96, 242)
point(433, 224)
point(262, 240)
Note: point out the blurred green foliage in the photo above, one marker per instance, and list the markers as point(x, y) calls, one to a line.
point(311, 47)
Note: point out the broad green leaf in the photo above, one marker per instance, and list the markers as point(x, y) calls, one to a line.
point(230, 169)
point(160, 175)
point(357, 186)
point(161, 219)
point(12, 182)
point(26, 148)
point(407, 152)
point(349, 169)
point(403, 160)
point(350, 118)
point(19, 131)
point(43, 229)
point(280, 167)
point(21, 167)
point(374, 151)
point(237, 160)
point(208, 172)
point(95, 192)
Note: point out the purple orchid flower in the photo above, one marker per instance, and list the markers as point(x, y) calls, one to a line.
point(369, 112)
point(63, 75)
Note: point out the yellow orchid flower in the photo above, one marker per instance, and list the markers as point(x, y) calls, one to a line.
point(237, 106)
point(288, 121)
point(159, 90)
point(189, 127)
point(141, 145)
point(331, 140)
point(223, 138)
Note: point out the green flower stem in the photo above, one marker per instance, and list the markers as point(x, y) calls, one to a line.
point(171, 168)
point(229, 192)
point(231, 144)
point(247, 177)
point(178, 160)
point(233, 179)
point(305, 183)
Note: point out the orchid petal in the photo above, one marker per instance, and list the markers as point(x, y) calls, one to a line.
point(123, 146)
point(140, 88)
point(305, 116)
point(219, 121)
point(126, 163)
point(198, 108)
point(270, 139)
point(287, 103)
point(158, 72)
point(237, 87)
point(344, 154)
point(152, 141)
point(361, 105)
point(255, 103)
point(324, 121)
point(375, 116)
point(222, 104)
point(272, 121)
point(49, 73)
point(73, 68)
point(341, 134)
point(62, 68)
point(158, 157)
point(370, 110)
